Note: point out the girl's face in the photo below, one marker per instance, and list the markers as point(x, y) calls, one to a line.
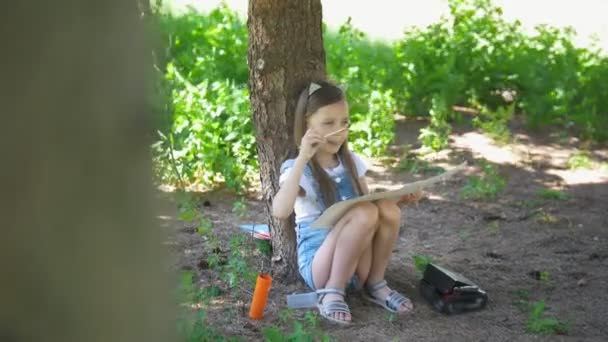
point(329, 119)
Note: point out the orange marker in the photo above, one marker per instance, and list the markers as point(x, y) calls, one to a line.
point(258, 302)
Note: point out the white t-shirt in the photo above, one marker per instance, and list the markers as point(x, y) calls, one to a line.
point(307, 207)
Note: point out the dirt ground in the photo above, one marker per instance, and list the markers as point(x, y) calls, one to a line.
point(502, 244)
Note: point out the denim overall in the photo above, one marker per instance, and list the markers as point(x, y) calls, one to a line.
point(310, 239)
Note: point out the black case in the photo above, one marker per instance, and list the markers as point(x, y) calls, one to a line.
point(449, 292)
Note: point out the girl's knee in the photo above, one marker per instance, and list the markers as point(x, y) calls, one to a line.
point(365, 214)
point(388, 211)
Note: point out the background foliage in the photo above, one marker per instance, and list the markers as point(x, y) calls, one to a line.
point(472, 57)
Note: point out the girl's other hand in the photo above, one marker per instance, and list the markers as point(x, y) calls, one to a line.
point(310, 144)
point(410, 198)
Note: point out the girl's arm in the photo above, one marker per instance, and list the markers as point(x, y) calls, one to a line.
point(285, 198)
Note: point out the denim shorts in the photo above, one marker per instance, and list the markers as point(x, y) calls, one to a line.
point(309, 240)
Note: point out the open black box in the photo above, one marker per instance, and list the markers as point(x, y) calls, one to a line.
point(449, 292)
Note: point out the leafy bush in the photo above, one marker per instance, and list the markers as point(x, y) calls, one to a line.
point(369, 72)
point(210, 138)
point(475, 57)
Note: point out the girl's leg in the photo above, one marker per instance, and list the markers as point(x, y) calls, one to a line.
point(382, 246)
point(364, 265)
point(336, 260)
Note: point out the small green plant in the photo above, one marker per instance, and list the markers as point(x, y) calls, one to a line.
point(238, 268)
point(538, 324)
point(494, 227)
point(192, 325)
point(264, 247)
point(579, 160)
point(544, 217)
point(239, 208)
point(285, 315)
point(464, 234)
point(207, 293)
point(485, 187)
point(306, 331)
point(522, 300)
point(311, 319)
point(421, 261)
point(435, 136)
point(185, 288)
point(544, 276)
point(551, 194)
point(194, 328)
point(187, 207)
point(273, 334)
point(529, 203)
point(205, 226)
point(189, 213)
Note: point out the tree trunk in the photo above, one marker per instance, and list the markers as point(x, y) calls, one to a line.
point(81, 254)
point(285, 53)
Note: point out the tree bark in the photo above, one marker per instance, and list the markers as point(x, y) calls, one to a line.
point(81, 254)
point(285, 53)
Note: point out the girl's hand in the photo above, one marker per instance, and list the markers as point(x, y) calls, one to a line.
point(310, 144)
point(410, 198)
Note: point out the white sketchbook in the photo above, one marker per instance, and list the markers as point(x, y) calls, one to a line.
point(330, 216)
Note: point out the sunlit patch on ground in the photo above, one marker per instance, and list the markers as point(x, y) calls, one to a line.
point(573, 177)
point(484, 147)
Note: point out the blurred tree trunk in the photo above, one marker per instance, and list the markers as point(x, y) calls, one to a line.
point(80, 252)
point(144, 7)
point(285, 53)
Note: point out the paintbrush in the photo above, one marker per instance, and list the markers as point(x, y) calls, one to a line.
point(330, 134)
point(336, 132)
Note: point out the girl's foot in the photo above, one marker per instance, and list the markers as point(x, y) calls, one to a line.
point(391, 300)
point(332, 306)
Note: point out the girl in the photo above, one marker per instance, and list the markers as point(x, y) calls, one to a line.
point(356, 250)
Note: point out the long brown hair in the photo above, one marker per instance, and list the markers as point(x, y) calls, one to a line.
point(307, 105)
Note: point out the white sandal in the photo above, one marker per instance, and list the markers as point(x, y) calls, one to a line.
point(329, 309)
point(392, 302)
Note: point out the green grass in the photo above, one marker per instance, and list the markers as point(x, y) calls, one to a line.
point(307, 329)
point(494, 227)
point(415, 165)
point(264, 247)
point(484, 187)
point(551, 194)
